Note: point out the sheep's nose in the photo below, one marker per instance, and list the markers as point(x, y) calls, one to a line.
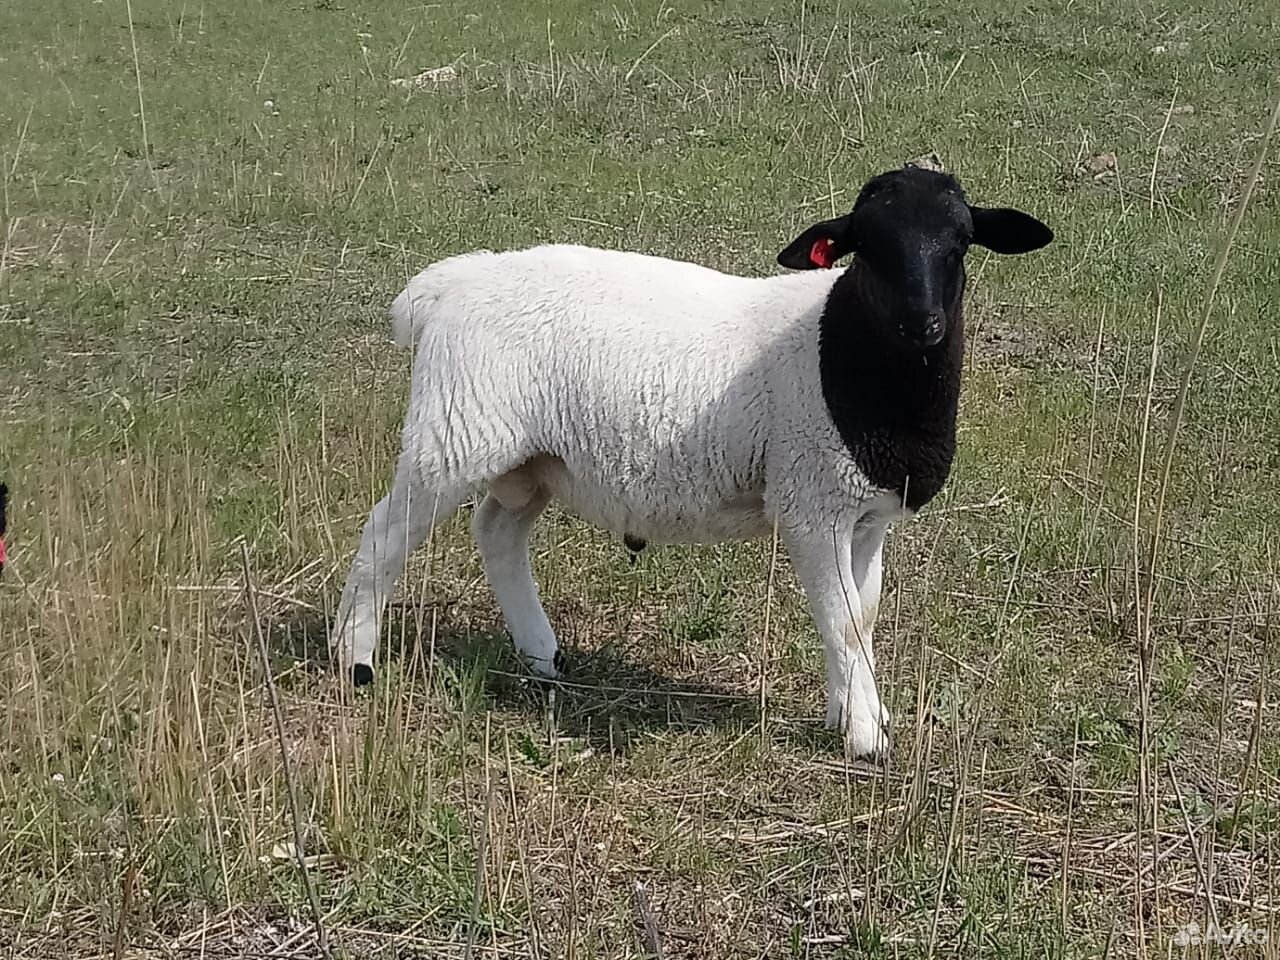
point(925, 328)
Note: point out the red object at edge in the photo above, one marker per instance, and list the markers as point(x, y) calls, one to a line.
point(820, 254)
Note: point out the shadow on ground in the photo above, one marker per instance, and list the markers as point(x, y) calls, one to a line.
point(603, 697)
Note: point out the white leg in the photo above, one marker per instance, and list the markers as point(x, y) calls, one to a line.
point(395, 528)
point(825, 564)
point(502, 528)
point(866, 556)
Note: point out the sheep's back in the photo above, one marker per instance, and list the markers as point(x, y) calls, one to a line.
point(638, 373)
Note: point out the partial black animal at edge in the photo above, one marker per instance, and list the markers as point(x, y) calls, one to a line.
point(4, 503)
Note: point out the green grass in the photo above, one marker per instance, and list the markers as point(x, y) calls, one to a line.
point(193, 353)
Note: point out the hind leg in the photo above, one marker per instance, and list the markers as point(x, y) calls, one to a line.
point(502, 524)
point(395, 528)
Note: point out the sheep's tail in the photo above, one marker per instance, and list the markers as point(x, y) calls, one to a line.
point(407, 316)
point(424, 293)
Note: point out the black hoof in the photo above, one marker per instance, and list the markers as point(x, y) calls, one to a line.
point(558, 660)
point(362, 674)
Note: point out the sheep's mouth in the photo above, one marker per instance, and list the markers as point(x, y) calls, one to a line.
point(929, 335)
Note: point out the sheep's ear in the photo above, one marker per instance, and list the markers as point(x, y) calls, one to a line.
point(1008, 231)
point(820, 246)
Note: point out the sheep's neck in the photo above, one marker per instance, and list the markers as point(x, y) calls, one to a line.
point(895, 408)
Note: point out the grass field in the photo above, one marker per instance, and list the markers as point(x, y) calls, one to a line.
point(207, 209)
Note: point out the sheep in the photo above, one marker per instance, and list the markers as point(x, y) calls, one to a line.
point(668, 402)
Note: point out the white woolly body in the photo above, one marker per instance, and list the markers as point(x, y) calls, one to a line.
point(649, 396)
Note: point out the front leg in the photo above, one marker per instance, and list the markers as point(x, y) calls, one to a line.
point(839, 569)
point(866, 551)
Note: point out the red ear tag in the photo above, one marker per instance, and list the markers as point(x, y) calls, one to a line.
point(821, 253)
point(4, 556)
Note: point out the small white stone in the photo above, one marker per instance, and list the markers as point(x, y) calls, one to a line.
point(59, 778)
point(268, 104)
